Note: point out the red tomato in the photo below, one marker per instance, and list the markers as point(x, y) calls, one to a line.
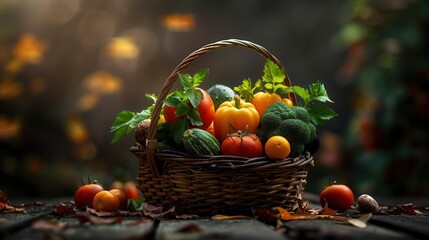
point(122, 197)
point(85, 194)
point(170, 114)
point(205, 108)
point(338, 197)
point(245, 146)
point(131, 190)
point(106, 201)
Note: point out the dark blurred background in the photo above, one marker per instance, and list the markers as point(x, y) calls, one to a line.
point(69, 66)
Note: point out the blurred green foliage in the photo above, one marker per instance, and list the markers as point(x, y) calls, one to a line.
point(387, 61)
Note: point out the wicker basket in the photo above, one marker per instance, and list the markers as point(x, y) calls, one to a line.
point(207, 185)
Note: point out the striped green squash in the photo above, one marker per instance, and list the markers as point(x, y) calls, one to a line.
point(200, 142)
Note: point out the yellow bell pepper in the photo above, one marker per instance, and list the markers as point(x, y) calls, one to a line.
point(235, 115)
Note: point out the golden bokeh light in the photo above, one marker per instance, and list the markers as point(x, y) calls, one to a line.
point(29, 49)
point(103, 82)
point(179, 22)
point(76, 130)
point(9, 128)
point(122, 48)
point(9, 88)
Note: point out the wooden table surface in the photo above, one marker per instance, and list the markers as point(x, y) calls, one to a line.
point(41, 222)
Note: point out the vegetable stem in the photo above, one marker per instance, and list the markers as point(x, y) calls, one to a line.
point(237, 102)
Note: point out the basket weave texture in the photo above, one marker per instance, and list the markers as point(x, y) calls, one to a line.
point(207, 185)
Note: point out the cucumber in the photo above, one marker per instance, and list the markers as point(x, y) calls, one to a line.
point(220, 93)
point(200, 142)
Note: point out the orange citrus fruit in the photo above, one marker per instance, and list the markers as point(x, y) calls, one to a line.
point(277, 147)
point(287, 101)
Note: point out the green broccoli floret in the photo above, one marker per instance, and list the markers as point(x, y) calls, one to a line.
point(295, 131)
point(301, 114)
point(293, 123)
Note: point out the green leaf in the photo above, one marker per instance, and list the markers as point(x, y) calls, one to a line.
point(269, 86)
point(273, 73)
point(173, 100)
point(136, 205)
point(186, 81)
point(195, 97)
point(118, 134)
point(320, 113)
point(121, 125)
point(194, 117)
point(301, 92)
point(182, 109)
point(178, 128)
point(200, 76)
point(319, 93)
point(258, 87)
point(122, 119)
point(152, 96)
point(245, 90)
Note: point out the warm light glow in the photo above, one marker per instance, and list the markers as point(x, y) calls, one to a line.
point(179, 22)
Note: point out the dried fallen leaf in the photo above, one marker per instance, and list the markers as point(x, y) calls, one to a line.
point(84, 217)
point(226, 217)
point(283, 214)
point(158, 213)
point(100, 213)
point(328, 211)
point(48, 225)
point(63, 209)
point(265, 213)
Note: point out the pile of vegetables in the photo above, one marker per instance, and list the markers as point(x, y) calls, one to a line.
point(251, 120)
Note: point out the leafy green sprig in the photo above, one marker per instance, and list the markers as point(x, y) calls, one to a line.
point(314, 97)
point(272, 81)
point(186, 102)
point(126, 120)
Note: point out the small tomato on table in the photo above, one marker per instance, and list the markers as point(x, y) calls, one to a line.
point(235, 115)
point(131, 190)
point(337, 196)
point(85, 194)
point(106, 201)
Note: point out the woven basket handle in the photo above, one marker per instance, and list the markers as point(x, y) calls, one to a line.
point(151, 144)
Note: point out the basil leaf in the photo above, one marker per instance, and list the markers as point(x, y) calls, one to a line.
point(182, 109)
point(320, 113)
point(194, 117)
point(195, 97)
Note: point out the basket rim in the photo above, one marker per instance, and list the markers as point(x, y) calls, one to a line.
point(226, 162)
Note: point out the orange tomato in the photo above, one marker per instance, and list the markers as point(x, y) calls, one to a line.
point(106, 201)
point(122, 197)
point(131, 190)
point(262, 100)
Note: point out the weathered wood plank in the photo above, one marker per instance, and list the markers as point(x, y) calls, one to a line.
point(215, 229)
point(414, 225)
point(326, 229)
point(72, 229)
